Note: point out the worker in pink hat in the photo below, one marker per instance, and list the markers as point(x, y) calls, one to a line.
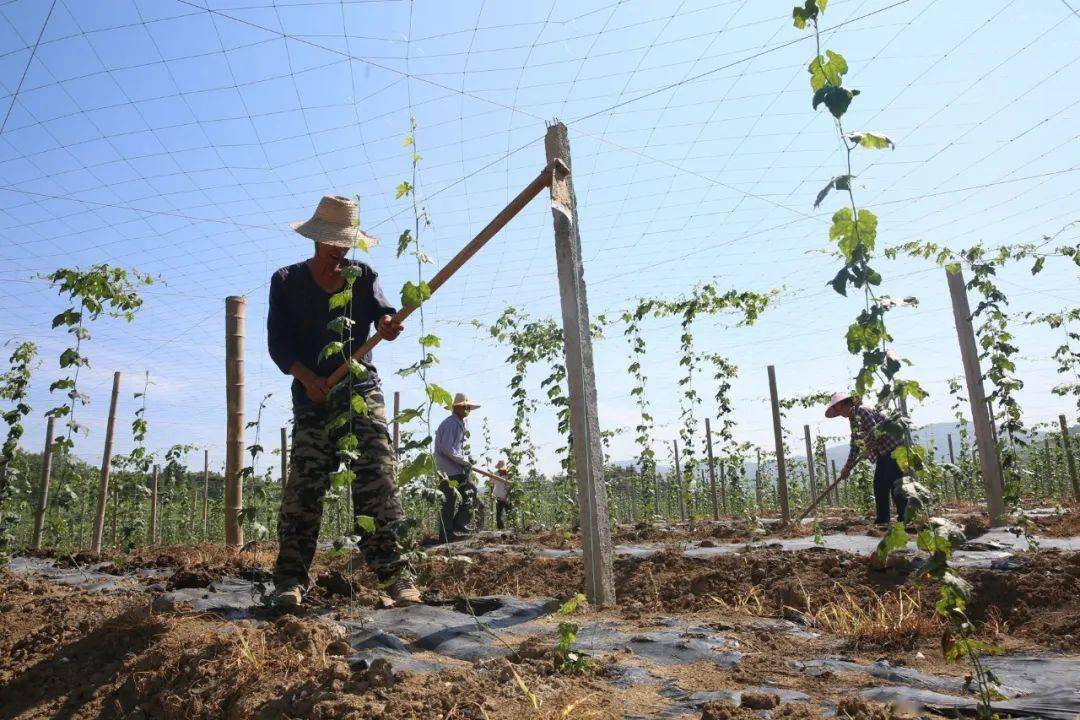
point(870, 441)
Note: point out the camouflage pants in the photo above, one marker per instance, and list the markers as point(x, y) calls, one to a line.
point(313, 458)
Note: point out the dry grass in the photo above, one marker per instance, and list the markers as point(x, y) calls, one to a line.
point(749, 603)
point(897, 620)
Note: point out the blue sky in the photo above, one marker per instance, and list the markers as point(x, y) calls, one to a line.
point(182, 137)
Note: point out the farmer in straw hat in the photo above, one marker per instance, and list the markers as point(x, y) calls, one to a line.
point(869, 440)
point(501, 490)
point(300, 323)
point(458, 489)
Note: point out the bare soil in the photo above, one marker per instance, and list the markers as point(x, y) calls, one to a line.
point(69, 654)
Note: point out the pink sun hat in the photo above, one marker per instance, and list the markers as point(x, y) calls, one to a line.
point(837, 398)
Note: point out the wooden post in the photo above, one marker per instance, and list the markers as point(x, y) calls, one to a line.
point(836, 490)
point(757, 481)
point(679, 482)
point(723, 490)
point(1049, 462)
point(1069, 460)
point(810, 461)
point(952, 455)
point(712, 470)
point(988, 459)
point(284, 456)
point(152, 535)
point(46, 475)
point(205, 492)
point(397, 427)
point(581, 378)
point(106, 464)
point(778, 434)
point(235, 308)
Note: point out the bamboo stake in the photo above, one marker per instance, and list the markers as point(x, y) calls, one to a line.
point(206, 493)
point(106, 464)
point(46, 475)
point(1069, 456)
point(679, 482)
point(153, 506)
point(778, 434)
point(712, 470)
point(810, 460)
point(235, 307)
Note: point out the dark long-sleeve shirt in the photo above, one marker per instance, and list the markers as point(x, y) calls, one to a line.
point(296, 324)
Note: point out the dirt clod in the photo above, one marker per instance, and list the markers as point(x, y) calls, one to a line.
point(759, 701)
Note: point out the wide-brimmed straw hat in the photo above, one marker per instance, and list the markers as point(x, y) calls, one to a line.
point(462, 400)
point(336, 222)
point(837, 398)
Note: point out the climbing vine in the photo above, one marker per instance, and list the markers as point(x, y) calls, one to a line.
point(13, 389)
point(259, 483)
point(100, 289)
point(854, 231)
point(414, 295)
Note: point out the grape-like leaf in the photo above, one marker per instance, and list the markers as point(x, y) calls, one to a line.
point(837, 99)
point(429, 341)
point(872, 140)
point(403, 189)
point(413, 295)
point(439, 396)
point(341, 298)
point(365, 523)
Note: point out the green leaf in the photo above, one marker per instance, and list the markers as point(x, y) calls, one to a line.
point(404, 240)
point(439, 396)
point(71, 357)
point(341, 298)
point(359, 405)
point(366, 523)
point(340, 325)
point(871, 140)
point(342, 478)
point(408, 415)
point(429, 341)
point(840, 182)
point(68, 317)
point(413, 296)
point(1038, 266)
point(64, 384)
point(422, 465)
point(332, 348)
point(828, 70)
point(837, 99)
point(849, 234)
point(895, 539)
point(403, 189)
point(337, 422)
point(357, 369)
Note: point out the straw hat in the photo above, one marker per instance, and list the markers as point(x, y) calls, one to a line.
point(462, 400)
point(336, 222)
point(837, 398)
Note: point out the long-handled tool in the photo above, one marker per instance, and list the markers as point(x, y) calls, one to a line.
point(505, 215)
point(491, 475)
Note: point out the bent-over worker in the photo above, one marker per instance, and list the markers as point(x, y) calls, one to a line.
point(298, 328)
point(868, 440)
point(455, 520)
point(501, 490)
